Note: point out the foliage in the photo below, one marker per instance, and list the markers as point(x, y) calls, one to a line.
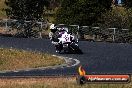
point(127, 3)
point(118, 17)
point(130, 17)
point(54, 4)
point(25, 9)
point(82, 12)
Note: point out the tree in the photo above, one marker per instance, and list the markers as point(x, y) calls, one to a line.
point(127, 3)
point(115, 2)
point(25, 9)
point(82, 12)
point(118, 17)
point(54, 4)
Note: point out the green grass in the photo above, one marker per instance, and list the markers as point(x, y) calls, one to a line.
point(12, 59)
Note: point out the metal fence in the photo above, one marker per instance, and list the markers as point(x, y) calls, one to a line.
point(82, 32)
point(24, 28)
point(108, 34)
point(101, 34)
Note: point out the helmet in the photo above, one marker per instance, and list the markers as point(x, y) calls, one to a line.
point(53, 28)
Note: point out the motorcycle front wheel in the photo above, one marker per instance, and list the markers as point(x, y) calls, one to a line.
point(74, 48)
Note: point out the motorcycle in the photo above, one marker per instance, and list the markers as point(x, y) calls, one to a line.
point(68, 44)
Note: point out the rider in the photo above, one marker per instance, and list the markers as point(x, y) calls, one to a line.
point(57, 32)
point(54, 34)
point(52, 31)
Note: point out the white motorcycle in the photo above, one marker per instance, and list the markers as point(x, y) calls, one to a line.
point(68, 44)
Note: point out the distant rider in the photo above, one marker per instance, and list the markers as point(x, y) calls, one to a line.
point(57, 32)
point(54, 35)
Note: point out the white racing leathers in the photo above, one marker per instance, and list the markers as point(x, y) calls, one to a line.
point(67, 43)
point(65, 38)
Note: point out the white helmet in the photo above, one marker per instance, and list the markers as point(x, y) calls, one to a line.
point(52, 26)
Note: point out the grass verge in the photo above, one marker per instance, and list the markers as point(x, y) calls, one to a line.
point(2, 12)
point(54, 83)
point(12, 59)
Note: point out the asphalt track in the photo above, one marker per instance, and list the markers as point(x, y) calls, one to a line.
point(98, 57)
